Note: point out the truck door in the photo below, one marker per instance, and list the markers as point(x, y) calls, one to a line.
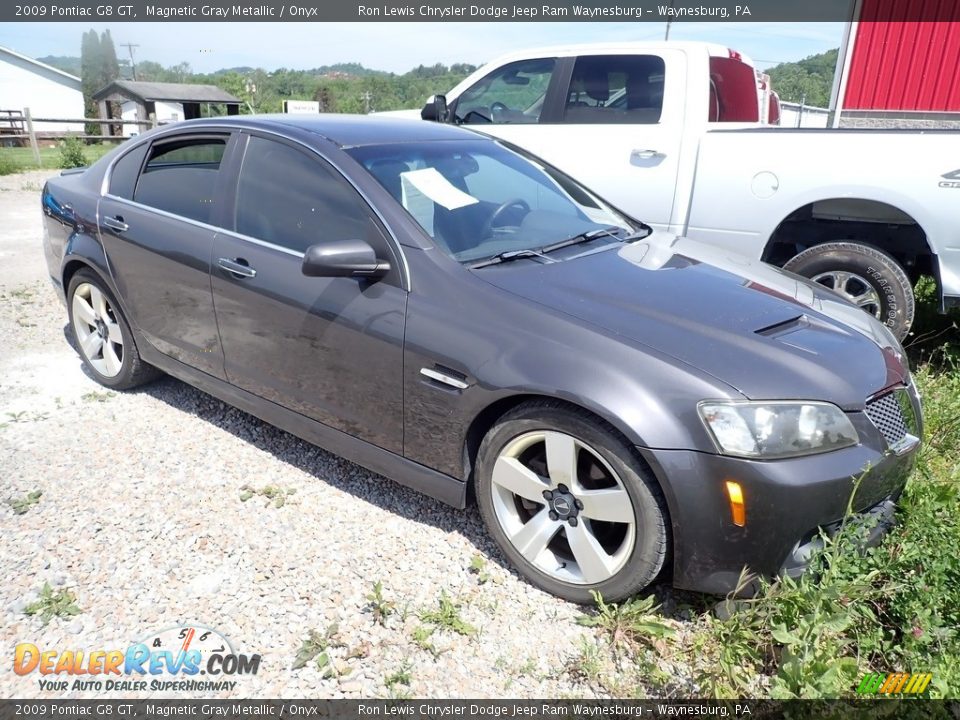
point(613, 121)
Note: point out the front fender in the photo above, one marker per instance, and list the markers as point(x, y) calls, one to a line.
point(648, 397)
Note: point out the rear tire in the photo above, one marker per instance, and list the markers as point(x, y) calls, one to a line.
point(570, 504)
point(102, 334)
point(864, 275)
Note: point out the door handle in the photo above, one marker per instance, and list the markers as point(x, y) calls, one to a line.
point(238, 267)
point(115, 223)
point(646, 155)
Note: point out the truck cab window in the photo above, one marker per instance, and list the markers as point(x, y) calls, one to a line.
point(615, 89)
point(513, 93)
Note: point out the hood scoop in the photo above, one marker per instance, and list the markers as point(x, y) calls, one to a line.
point(785, 327)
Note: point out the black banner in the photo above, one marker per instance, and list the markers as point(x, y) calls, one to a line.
point(477, 11)
point(472, 709)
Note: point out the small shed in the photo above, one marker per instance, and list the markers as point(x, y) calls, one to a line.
point(162, 102)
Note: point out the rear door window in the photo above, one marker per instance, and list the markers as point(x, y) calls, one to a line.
point(615, 89)
point(180, 176)
point(123, 176)
point(512, 94)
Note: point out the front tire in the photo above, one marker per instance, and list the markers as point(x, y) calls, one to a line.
point(864, 275)
point(570, 504)
point(103, 336)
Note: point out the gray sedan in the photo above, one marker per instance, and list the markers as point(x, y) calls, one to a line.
point(461, 317)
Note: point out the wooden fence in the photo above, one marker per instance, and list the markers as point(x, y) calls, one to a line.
point(21, 126)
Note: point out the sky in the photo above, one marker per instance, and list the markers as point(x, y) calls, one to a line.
point(398, 47)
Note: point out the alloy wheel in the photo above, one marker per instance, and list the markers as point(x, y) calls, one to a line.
point(563, 507)
point(98, 332)
point(854, 288)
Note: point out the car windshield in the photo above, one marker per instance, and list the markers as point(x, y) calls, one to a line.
point(480, 199)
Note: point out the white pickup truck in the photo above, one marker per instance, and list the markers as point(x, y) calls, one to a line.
point(675, 134)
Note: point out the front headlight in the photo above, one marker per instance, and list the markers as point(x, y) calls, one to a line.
point(770, 430)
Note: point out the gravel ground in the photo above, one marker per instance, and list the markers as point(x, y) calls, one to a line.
point(141, 518)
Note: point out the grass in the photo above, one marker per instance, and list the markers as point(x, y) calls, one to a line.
point(894, 608)
point(52, 604)
point(20, 159)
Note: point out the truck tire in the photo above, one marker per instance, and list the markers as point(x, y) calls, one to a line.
point(864, 275)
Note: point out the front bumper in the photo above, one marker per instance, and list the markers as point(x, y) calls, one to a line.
point(787, 503)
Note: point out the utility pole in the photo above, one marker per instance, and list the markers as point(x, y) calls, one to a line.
point(133, 64)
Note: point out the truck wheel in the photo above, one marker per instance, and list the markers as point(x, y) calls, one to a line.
point(864, 275)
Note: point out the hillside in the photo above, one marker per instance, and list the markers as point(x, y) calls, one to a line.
point(809, 80)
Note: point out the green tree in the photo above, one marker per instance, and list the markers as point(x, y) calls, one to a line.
point(809, 80)
point(89, 75)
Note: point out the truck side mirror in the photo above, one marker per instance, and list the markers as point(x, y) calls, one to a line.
point(435, 109)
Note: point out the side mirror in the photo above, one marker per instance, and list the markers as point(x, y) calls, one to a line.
point(435, 109)
point(343, 258)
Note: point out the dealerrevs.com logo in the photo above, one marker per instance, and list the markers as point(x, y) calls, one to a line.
point(172, 660)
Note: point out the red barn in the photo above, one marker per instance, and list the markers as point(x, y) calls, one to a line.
point(899, 65)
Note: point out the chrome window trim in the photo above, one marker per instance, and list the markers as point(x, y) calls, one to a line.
point(406, 282)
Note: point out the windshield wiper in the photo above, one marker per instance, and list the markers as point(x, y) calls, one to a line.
point(507, 256)
point(610, 231)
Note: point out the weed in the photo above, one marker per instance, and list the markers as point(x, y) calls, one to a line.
point(447, 616)
point(61, 603)
point(274, 495)
point(401, 676)
point(97, 396)
point(18, 417)
point(315, 647)
point(422, 638)
point(22, 505)
point(588, 662)
point(24, 295)
point(478, 566)
point(359, 651)
point(629, 624)
point(379, 606)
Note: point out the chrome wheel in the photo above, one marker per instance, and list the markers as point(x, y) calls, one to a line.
point(854, 288)
point(98, 332)
point(563, 507)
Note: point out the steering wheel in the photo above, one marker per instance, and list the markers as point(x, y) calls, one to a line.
point(501, 210)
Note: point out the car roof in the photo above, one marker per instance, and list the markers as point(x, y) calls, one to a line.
point(349, 130)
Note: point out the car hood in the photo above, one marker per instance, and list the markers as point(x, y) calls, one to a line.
point(760, 330)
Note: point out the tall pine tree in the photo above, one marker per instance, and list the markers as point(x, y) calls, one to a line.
point(90, 76)
point(98, 68)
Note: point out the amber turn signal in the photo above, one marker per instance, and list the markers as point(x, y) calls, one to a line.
point(738, 512)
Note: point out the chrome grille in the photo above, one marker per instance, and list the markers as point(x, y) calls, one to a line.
point(887, 413)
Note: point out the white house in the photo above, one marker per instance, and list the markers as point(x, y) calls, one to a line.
point(48, 92)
